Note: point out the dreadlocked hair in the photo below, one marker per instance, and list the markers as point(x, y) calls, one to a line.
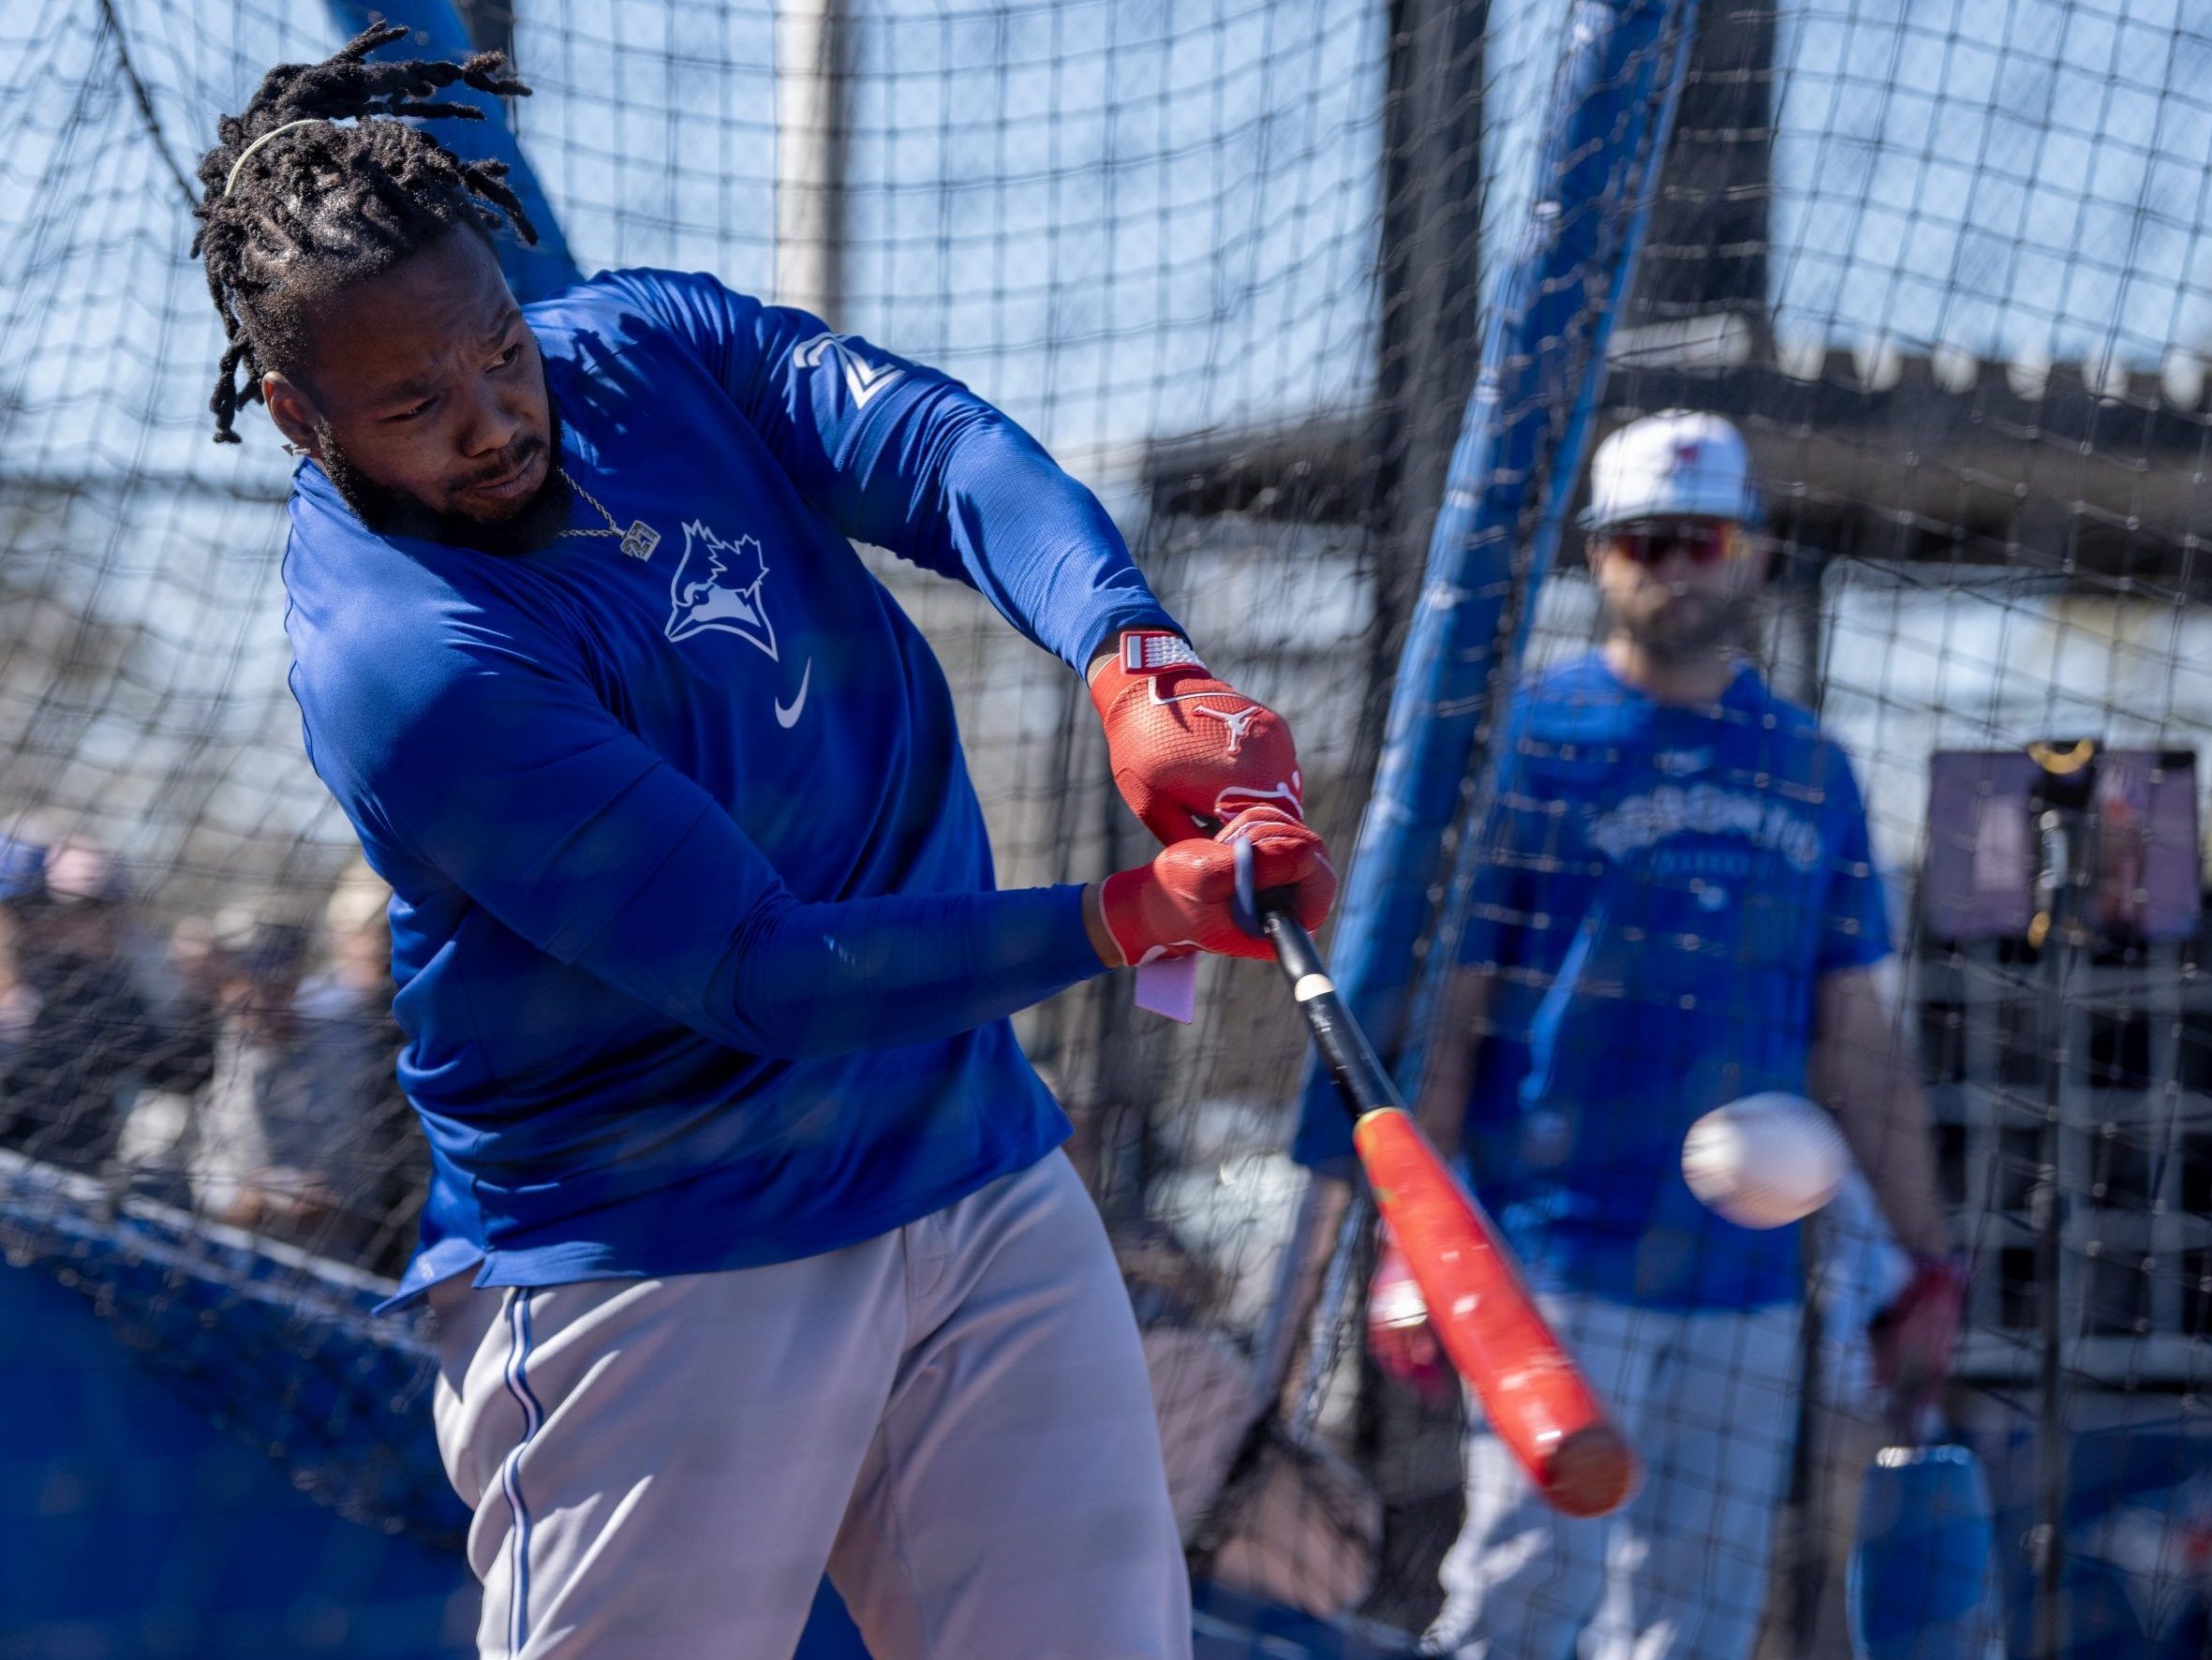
point(322, 205)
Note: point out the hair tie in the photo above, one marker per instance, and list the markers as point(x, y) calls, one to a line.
point(273, 132)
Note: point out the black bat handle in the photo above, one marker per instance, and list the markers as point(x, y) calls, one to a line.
point(1362, 1083)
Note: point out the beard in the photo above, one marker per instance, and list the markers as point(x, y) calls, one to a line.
point(1681, 627)
point(389, 512)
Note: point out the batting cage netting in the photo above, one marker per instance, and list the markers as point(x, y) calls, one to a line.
point(1332, 306)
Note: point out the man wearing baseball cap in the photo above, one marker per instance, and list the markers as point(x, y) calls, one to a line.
point(1676, 909)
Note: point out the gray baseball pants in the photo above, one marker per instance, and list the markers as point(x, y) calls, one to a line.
point(1709, 1400)
point(954, 1419)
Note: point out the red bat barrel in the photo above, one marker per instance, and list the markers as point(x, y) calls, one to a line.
point(1532, 1394)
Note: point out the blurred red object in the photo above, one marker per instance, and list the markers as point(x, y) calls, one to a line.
point(1915, 1336)
point(1398, 1335)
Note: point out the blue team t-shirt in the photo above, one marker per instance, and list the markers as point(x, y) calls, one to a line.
point(620, 787)
point(1661, 890)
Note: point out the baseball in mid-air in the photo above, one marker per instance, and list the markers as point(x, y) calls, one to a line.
point(1765, 1161)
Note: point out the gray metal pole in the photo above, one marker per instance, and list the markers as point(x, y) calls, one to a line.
point(811, 76)
point(2057, 878)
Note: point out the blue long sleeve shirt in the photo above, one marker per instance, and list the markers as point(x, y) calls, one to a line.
point(694, 929)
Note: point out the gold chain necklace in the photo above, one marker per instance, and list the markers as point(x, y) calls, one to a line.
point(638, 541)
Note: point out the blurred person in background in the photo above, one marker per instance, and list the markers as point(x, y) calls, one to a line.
point(195, 1011)
point(299, 1132)
point(231, 1138)
point(1677, 908)
point(23, 867)
point(150, 1150)
point(83, 1032)
point(262, 1130)
point(354, 1042)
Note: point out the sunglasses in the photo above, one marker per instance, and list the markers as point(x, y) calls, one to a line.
point(1700, 543)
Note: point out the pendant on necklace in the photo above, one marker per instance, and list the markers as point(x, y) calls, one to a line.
point(641, 540)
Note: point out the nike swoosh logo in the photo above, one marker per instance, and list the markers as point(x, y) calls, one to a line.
point(787, 719)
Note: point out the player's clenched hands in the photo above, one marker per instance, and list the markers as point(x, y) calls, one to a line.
point(1184, 899)
point(1188, 751)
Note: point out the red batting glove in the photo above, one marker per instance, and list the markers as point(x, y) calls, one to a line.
point(1915, 1336)
point(1187, 751)
point(1182, 901)
point(1398, 1335)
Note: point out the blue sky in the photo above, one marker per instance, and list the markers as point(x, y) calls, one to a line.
point(1130, 217)
point(2014, 177)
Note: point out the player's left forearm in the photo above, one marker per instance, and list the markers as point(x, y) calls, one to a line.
point(1864, 1071)
point(971, 494)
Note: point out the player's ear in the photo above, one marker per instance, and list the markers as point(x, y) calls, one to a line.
point(1597, 552)
point(289, 407)
point(1758, 556)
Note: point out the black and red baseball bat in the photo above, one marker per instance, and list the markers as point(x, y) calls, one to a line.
point(1532, 1388)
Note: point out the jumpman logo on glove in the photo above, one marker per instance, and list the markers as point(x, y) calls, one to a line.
point(1239, 721)
point(1180, 774)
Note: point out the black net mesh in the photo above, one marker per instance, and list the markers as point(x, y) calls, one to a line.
point(1944, 267)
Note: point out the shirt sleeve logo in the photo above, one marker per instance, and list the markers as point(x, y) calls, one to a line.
point(717, 586)
point(863, 379)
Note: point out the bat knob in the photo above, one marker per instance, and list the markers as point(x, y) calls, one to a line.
point(1592, 1472)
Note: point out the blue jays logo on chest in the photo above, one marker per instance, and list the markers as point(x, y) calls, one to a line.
point(718, 584)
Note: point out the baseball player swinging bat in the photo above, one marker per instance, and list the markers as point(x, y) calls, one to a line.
point(1531, 1387)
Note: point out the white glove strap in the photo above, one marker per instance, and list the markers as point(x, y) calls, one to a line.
point(1148, 651)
